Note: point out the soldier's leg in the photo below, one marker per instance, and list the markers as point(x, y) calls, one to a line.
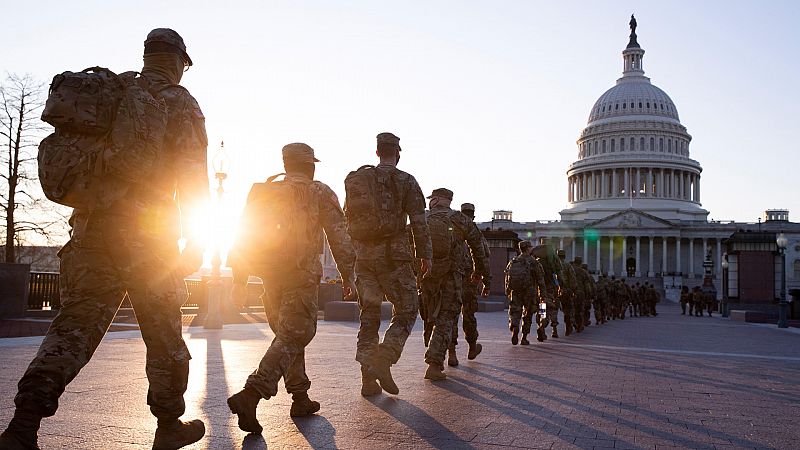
point(515, 305)
point(529, 309)
point(552, 316)
point(91, 293)
point(454, 334)
point(468, 309)
point(442, 330)
point(370, 298)
point(295, 326)
point(297, 384)
point(154, 297)
point(400, 287)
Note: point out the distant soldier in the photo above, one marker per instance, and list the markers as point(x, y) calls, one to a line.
point(568, 294)
point(546, 255)
point(601, 301)
point(449, 231)
point(685, 300)
point(469, 299)
point(379, 202)
point(698, 301)
point(638, 300)
point(583, 292)
point(525, 288)
point(280, 240)
point(130, 244)
point(592, 296)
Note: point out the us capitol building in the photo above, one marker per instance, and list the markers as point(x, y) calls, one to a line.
point(634, 197)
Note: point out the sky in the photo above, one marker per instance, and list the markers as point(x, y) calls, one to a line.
point(488, 97)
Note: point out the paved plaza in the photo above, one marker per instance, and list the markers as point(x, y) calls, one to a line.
point(670, 381)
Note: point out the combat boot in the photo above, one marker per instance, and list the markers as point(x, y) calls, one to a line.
point(514, 335)
point(524, 340)
point(244, 404)
point(302, 405)
point(435, 373)
point(379, 365)
point(369, 385)
point(474, 350)
point(21, 433)
point(568, 330)
point(541, 336)
point(452, 358)
point(554, 333)
point(177, 434)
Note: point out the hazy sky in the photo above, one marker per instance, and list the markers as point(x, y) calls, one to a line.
point(488, 97)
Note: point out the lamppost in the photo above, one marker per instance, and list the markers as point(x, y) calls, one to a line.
point(725, 285)
point(783, 306)
point(221, 162)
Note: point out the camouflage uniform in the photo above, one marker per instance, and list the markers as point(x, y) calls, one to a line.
point(524, 305)
point(384, 270)
point(685, 299)
point(130, 247)
point(583, 303)
point(291, 296)
point(469, 297)
point(567, 295)
point(442, 288)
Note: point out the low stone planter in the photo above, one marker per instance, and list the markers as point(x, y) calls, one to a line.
point(14, 286)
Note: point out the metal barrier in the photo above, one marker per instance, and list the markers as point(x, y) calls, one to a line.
point(44, 293)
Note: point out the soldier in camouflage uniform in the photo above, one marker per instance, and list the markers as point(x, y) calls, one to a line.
point(568, 295)
point(524, 303)
point(469, 300)
point(384, 270)
point(601, 303)
point(131, 247)
point(590, 298)
point(291, 278)
point(442, 287)
point(584, 290)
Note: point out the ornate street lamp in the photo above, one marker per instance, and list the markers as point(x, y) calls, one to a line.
point(783, 306)
point(725, 266)
point(221, 164)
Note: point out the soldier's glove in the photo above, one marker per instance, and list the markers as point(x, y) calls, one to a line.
point(349, 290)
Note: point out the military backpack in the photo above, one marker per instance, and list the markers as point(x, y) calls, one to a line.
point(275, 233)
point(443, 241)
point(373, 207)
point(518, 274)
point(109, 130)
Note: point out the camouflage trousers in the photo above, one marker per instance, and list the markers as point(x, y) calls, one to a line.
point(469, 305)
point(552, 309)
point(522, 306)
point(443, 302)
point(103, 260)
point(394, 281)
point(579, 308)
point(568, 308)
point(291, 309)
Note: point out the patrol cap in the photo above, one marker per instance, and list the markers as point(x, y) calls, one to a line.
point(442, 192)
point(166, 40)
point(467, 207)
point(388, 139)
point(561, 253)
point(578, 260)
point(298, 152)
point(524, 244)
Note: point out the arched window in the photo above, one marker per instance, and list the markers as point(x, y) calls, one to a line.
point(622, 145)
point(641, 144)
point(661, 144)
point(632, 142)
point(797, 269)
point(624, 105)
point(604, 145)
point(648, 105)
point(652, 144)
point(612, 145)
point(616, 106)
point(669, 146)
point(640, 105)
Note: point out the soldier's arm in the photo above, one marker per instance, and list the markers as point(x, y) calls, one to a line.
point(190, 145)
point(333, 222)
point(474, 240)
point(415, 209)
point(538, 277)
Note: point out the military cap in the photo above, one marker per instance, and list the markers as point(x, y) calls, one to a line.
point(561, 253)
point(442, 192)
point(387, 138)
point(578, 260)
point(158, 37)
point(467, 207)
point(298, 152)
point(524, 244)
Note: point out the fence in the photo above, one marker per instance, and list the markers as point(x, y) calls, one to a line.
point(44, 292)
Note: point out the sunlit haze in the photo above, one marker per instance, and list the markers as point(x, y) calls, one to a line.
point(488, 98)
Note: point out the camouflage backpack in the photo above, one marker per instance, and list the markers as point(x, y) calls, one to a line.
point(443, 242)
point(518, 274)
point(275, 233)
point(109, 130)
point(550, 263)
point(373, 206)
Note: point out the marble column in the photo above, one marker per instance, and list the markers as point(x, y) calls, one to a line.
point(597, 255)
point(572, 255)
point(650, 272)
point(561, 243)
point(614, 188)
point(718, 262)
point(622, 256)
point(697, 188)
point(678, 254)
point(638, 259)
point(627, 183)
point(691, 258)
point(637, 191)
point(661, 189)
point(585, 250)
point(664, 256)
point(610, 255)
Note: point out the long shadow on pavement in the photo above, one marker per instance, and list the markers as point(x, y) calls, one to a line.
point(417, 420)
point(254, 441)
point(317, 430)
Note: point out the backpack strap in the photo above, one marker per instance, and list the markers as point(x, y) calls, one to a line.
point(272, 178)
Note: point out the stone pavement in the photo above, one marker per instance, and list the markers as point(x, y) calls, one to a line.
point(666, 382)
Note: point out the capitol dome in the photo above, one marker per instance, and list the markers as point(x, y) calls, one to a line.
point(634, 153)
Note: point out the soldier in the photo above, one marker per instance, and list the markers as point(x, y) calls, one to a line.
point(442, 287)
point(685, 300)
point(601, 303)
point(546, 255)
point(469, 300)
point(567, 292)
point(698, 301)
point(280, 241)
point(592, 296)
point(525, 288)
point(584, 290)
point(379, 202)
point(637, 300)
point(111, 252)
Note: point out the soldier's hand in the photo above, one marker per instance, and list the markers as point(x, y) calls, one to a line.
point(239, 295)
point(425, 265)
point(191, 259)
point(348, 290)
point(485, 292)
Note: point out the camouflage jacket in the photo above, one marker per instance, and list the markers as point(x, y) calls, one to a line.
point(584, 281)
point(569, 285)
point(330, 221)
point(465, 230)
point(399, 246)
point(467, 263)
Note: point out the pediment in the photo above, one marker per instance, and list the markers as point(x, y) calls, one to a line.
point(631, 219)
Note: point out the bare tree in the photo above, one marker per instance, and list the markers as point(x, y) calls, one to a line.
point(25, 212)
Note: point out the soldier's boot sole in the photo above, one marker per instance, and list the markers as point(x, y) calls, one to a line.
point(173, 438)
point(435, 373)
point(369, 384)
point(304, 407)
point(524, 340)
point(554, 334)
point(541, 336)
point(381, 367)
point(12, 441)
point(244, 406)
point(452, 358)
point(474, 350)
